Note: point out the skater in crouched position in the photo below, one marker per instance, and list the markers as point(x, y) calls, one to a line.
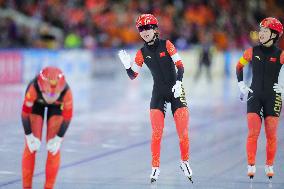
point(162, 59)
point(264, 95)
point(48, 90)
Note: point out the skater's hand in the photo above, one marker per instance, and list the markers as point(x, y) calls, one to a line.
point(278, 88)
point(177, 89)
point(53, 145)
point(243, 88)
point(33, 143)
point(124, 58)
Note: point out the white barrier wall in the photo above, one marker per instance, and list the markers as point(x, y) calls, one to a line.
point(10, 66)
point(76, 64)
point(22, 65)
point(18, 66)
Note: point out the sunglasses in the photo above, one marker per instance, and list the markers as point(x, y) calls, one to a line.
point(145, 27)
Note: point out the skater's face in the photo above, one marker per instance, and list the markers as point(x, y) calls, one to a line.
point(265, 34)
point(146, 32)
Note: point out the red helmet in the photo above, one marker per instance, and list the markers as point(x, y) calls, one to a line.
point(273, 24)
point(51, 80)
point(146, 19)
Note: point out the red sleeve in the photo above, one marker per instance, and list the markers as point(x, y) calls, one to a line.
point(248, 54)
point(30, 97)
point(173, 53)
point(67, 106)
point(244, 60)
point(170, 48)
point(282, 57)
point(139, 60)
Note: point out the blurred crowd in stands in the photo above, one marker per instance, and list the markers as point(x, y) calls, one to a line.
point(229, 24)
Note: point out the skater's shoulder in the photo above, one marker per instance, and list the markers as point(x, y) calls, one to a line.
point(31, 85)
point(248, 53)
point(31, 92)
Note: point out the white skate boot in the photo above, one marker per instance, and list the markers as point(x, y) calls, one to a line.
point(269, 171)
point(184, 165)
point(155, 174)
point(251, 171)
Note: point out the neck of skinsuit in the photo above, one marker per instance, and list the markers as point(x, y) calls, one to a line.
point(268, 49)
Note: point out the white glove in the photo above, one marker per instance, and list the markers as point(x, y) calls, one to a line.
point(278, 88)
point(243, 88)
point(177, 89)
point(53, 145)
point(124, 58)
point(33, 143)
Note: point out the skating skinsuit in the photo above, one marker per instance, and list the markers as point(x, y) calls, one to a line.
point(264, 102)
point(162, 59)
point(59, 115)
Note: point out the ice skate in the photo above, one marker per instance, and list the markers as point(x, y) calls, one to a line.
point(269, 171)
point(184, 165)
point(251, 171)
point(155, 174)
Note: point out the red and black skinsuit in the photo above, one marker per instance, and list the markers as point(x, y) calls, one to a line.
point(59, 115)
point(162, 60)
point(264, 102)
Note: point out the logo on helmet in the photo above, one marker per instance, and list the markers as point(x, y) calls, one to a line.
point(146, 19)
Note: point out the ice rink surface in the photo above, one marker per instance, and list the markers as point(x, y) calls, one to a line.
point(107, 145)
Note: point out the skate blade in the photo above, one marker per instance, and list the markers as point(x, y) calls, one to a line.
point(270, 184)
point(153, 180)
point(190, 179)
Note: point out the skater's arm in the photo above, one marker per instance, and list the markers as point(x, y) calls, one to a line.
point(176, 59)
point(282, 57)
point(30, 97)
point(133, 71)
point(67, 112)
point(244, 60)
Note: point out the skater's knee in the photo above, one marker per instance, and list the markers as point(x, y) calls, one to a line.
point(254, 125)
point(271, 136)
point(27, 152)
point(271, 124)
point(253, 135)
